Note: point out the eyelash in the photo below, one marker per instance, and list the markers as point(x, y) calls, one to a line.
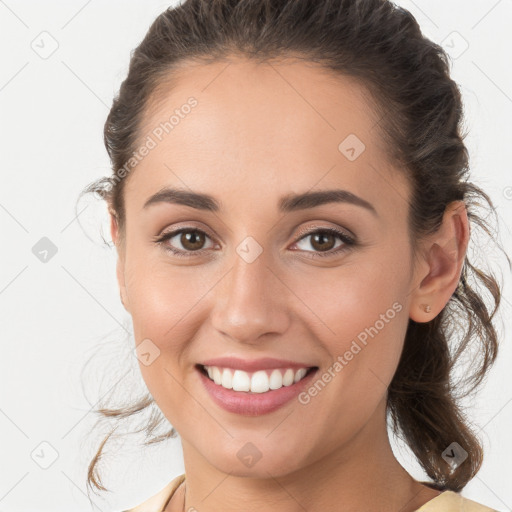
point(347, 240)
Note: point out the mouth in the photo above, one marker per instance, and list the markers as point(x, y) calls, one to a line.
point(258, 382)
point(254, 393)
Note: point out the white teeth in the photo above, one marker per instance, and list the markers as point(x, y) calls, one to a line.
point(288, 377)
point(241, 380)
point(257, 382)
point(299, 374)
point(276, 379)
point(217, 375)
point(227, 379)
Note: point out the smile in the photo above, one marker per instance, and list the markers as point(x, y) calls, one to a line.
point(257, 393)
point(260, 381)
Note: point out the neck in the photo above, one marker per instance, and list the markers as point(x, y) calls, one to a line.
point(362, 474)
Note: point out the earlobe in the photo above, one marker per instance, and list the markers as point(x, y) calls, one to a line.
point(113, 226)
point(114, 231)
point(122, 287)
point(444, 255)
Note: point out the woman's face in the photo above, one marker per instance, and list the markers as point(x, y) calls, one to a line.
point(256, 277)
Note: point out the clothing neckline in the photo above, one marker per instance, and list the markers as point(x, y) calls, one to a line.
point(176, 483)
point(441, 496)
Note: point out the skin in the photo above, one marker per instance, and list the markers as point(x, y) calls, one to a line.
point(259, 132)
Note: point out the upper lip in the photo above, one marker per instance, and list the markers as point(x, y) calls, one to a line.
point(264, 363)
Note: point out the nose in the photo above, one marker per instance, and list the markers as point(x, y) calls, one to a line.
point(252, 300)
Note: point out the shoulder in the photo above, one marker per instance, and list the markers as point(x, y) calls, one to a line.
point(157, 502)
point(449, 501)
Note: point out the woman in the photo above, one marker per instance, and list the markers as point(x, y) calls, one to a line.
point(291, 211)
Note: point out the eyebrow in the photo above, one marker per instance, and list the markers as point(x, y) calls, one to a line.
point(287, 204)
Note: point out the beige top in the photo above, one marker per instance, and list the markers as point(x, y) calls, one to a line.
point(447, 501)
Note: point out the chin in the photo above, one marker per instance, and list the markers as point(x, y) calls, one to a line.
point(256, 460)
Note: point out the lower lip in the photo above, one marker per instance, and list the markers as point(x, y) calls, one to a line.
point(253, 404)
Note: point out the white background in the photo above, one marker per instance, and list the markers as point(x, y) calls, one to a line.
point(55, 315)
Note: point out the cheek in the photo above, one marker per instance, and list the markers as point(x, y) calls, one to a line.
point(359, 314)
point(162, 296)
point(164, 305)
point(350, 299)
point(339, 304)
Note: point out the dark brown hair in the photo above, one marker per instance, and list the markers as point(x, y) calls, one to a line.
point(421, 114)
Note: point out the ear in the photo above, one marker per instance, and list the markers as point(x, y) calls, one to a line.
point(442, 257)
point(120, 273)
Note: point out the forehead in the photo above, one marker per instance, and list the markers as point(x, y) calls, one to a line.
point(272, 127)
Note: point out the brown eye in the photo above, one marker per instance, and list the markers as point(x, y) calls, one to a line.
point(323, 241)
point(192, 240)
